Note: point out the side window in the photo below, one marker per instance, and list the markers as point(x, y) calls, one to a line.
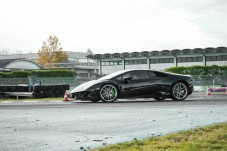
point(119, 78)
point(151, 74)
point(126, 75)
point(137, 75)
point(160, 74)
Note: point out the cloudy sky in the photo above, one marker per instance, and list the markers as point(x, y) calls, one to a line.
point(107, 26)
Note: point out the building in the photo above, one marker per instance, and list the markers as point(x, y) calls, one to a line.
point(18, 64)
point(85, 67)
point(160, 60)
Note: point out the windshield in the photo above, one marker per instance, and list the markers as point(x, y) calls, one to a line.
point(109, 76)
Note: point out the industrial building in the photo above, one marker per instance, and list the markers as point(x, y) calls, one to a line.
point(85, 67)
point(160, 60)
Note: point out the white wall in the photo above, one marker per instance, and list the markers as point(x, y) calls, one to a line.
point(161, 66)
point(110, 69)
point(219, 63)
point(186, 64)
point(137, 66)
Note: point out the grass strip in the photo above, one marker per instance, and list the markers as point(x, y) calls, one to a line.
point(209, 138)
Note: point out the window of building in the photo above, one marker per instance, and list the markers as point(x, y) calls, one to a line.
point(224, 57)
point(219, 58)
point(207, 58)
point(161, 60)
point(213, 58)
point(189, 59)
point(152, 61)
point(216, 58)
point(200, 59)
point(157, 61)
point(137, 61)
point(84, 75)
point(111, 63)
point(115, 63)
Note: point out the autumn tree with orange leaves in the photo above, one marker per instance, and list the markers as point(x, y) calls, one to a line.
point(51, 52)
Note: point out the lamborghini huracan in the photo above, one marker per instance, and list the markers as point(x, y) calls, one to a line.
point(135, 84)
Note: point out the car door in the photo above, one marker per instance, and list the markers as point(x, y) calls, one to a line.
point(136, 85)
point(150, 85)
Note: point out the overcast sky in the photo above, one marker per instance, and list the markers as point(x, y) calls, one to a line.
point(108, 26)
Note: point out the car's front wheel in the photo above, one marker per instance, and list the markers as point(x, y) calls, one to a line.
point(108, 93)
point(179, 91)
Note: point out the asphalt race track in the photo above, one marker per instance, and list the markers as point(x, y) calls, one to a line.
point(84, 125)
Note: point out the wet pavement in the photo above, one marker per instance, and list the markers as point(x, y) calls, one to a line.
point(84, 125)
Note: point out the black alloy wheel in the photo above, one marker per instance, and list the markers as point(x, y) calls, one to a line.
point(108, 93)
point(179, 91)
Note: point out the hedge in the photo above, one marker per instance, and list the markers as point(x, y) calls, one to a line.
point(202, 72)
point(38, 73)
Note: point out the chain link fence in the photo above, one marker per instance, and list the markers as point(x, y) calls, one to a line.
point(201, 83)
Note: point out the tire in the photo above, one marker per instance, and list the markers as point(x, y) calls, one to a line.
point(11, 88)
point(159, 98)
point(26, 88)
point(108, 93)
point(59, 87)
point(179, 91)
point(3, 88)
point(56, 93)
point(66, 87)
point(19, 88)
point(50, 87)
point(38, 88)
point(48, 93)
point(37, 95)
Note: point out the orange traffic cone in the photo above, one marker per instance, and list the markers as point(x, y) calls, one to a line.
point(208, 91)
point(65, 97)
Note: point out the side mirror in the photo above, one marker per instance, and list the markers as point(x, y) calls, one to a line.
point(127, 79)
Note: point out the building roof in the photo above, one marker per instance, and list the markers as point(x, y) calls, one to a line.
point(4, 62)
point(174, 52)
point(18, 64)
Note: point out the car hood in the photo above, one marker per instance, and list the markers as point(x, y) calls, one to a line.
point(85, 86)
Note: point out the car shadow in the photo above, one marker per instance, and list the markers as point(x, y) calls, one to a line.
point(136, 101)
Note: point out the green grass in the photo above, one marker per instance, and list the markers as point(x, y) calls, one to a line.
point(209, 138)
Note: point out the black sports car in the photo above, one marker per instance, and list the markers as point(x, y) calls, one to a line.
point(135, 83)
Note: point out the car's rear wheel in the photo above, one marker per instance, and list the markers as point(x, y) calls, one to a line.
point(108, 93)
point(159, 98)
point(179, 91)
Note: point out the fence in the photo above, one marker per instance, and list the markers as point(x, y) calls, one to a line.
point(73, 82)
point(200, 83)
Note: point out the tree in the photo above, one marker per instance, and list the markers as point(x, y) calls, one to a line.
point(51, 52)
point(4, 51)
